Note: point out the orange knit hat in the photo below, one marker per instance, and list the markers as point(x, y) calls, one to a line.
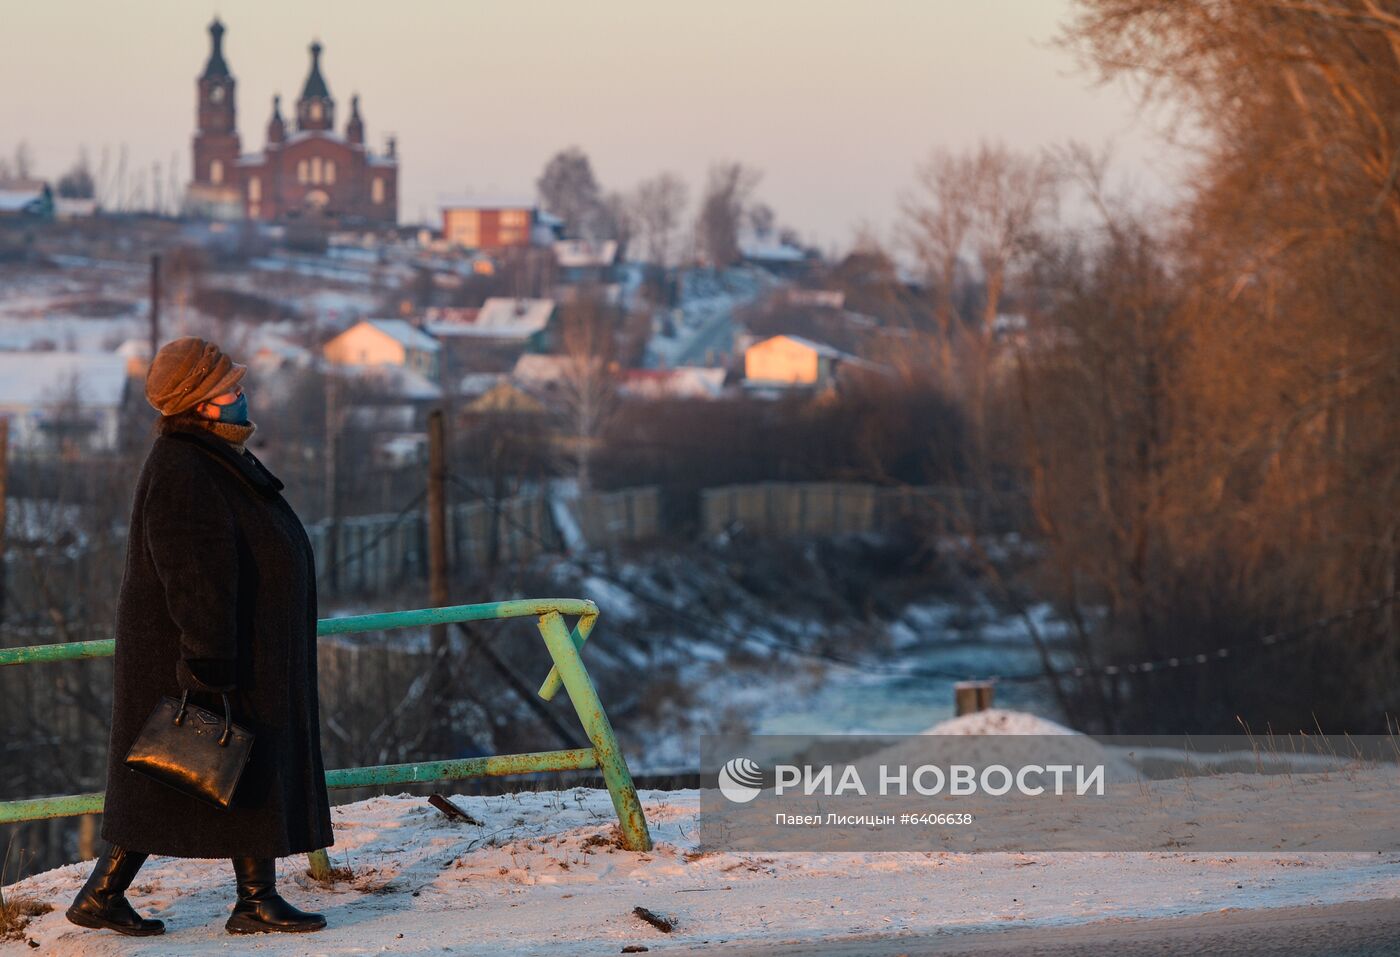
point(188, 371)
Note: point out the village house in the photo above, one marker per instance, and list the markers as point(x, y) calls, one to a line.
point(493, 337)
point(28, 198)
point(63, 403)
point(386, 342)
point(497, 225)
point(795, 362)
point(586, 261)
point(684, 382)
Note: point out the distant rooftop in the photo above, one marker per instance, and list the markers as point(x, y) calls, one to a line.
point(583, 254)
point(487, 202)
point(406, 333)
point(39, 378)
point(501, 318)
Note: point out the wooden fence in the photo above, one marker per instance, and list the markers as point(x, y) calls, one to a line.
point(818, 508)
point(377, 553)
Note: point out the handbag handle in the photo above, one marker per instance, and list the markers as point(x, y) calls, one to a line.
point(228, 717)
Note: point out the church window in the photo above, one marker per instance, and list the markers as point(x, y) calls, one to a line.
point(376, 190)
point(216, 172)
point(254, 189)
point(330, 171)
point(302, 172)
point(315, 169)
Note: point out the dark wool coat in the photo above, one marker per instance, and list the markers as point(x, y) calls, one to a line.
point(219, 571)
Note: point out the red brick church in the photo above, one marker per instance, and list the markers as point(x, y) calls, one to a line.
point(309, 172)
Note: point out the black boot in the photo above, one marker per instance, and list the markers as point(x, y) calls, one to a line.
point(260, 908)
point(102, 903)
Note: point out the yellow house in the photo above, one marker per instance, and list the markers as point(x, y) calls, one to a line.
point(379, 342)
point(792, 361)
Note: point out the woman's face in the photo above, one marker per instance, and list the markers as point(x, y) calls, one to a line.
point(210, 409)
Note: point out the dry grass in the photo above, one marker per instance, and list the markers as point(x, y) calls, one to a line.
point(15, 913)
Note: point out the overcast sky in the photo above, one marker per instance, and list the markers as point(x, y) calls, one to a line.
point(834, 102)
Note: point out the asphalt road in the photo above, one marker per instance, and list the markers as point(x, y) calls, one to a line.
point(1364, 929)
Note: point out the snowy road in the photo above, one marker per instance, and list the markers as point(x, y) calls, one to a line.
point(1360, 929)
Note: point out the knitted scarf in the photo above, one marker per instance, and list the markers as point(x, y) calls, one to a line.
point(234, 433)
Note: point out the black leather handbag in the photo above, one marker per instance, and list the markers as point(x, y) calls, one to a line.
point(192, 749)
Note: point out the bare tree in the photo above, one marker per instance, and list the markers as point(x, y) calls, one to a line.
point(762, 220)
point(588, 391)
point(936, 221)
point(21, 166)
point(992, 203)
point(78, 183)
point(615, 220)
point(568, 189)
point(1210, 434)
point(657, 207)
point(727, 193)
point(1012, 195)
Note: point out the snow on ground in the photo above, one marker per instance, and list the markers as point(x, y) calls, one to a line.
point(998, 721)
point(542, 876)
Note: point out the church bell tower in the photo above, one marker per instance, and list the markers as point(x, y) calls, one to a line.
point(216, 130)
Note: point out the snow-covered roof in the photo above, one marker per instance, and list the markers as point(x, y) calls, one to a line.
point(272, 352)
point(302, 135)
point(685, 382)
point(771, 252)
point(820, 348)
point(477, 383)
point(583, 253)
point(16, 200)
point(517, 314)
point(487, 202)
point(500, 318)
point(407, 334)
point(400, 381)
point(134, 348)
point(39, 378)
point(535, 369)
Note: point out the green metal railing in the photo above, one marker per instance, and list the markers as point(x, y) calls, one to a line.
point(567, 672)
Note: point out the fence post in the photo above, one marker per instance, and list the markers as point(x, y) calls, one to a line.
point(611, 762)
point(970, 696)
point(440, 681)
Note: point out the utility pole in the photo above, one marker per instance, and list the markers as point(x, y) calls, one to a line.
point(440, 686)
point(4, 475)
point(155, 307)
point(329, 491)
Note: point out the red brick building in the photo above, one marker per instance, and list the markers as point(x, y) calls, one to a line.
point(311, 171)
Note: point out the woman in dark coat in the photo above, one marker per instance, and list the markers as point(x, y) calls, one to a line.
point(218, 595)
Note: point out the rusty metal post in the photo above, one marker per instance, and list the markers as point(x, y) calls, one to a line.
point(970, 696)
point(87, 837)
point(440, 681)
point(635, 836)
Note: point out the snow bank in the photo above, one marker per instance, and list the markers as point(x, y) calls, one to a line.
point(542, 874)
point(1004, 737)
point(998, 721)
